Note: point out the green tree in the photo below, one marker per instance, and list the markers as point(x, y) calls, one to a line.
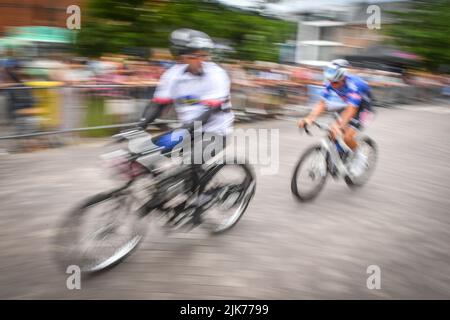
point(424, 29)
point(113, 25)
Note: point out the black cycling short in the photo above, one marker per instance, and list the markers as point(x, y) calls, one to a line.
point(355, 122)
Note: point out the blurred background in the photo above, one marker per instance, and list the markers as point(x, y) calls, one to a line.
point(53, 78)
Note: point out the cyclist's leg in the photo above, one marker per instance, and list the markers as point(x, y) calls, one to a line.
point(354, 126)
point(213, 144)
point(169, 140)
point(358, 159)
point(349, 132)
point(198, 168)
point(350, 137)
point(163, 140)
point(205, 148)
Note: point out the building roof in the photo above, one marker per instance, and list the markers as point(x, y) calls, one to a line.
point(315, 63)
point(323, 23)
point(322, 43)
point(41, 34)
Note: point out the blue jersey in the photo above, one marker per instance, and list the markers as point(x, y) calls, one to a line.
point(354, 92)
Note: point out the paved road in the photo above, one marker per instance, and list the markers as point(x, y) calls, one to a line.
point(281, 249)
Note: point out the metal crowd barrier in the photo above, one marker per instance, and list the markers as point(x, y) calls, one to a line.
point(48, 108)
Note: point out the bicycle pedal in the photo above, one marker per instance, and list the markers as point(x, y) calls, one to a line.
point(186, 226)
point(173, 217)
point(173, 227)
point(190, 226)
point(179, 218)
point(196, 220)
point(175, 222)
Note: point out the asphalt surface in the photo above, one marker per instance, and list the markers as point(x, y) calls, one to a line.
point(280, 249)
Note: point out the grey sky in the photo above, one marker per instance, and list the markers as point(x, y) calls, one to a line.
point(288, 6)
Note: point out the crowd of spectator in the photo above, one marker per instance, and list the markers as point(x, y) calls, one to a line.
point(56, 88)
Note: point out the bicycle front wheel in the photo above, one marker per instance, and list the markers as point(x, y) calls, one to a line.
point(100, 232)
point(310, 174)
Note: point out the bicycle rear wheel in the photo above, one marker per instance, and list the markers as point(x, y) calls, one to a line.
point(310, 174)
point(228, 190)
point(369, 148)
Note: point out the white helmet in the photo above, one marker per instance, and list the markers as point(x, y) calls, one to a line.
point(336, 70)
point(341, 63)
point(188, 40)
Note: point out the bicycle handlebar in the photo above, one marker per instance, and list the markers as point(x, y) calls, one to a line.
point(322, 126)
point(125, 135)
point(319, 125)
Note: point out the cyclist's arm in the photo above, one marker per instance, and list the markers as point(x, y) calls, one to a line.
point(152, 111)
point(214, 106)
point(321, 105)
point(161, 98)
point(317, 110)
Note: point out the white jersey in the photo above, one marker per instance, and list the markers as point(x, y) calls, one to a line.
point(187, 90)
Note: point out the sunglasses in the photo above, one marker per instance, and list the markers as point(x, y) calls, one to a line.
point(195, 55)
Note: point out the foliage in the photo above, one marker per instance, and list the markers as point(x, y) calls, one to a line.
point(112, 25)
point(423, 29)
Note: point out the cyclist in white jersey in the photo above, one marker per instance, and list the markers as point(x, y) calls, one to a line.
point(199, 89)
point(200, 92)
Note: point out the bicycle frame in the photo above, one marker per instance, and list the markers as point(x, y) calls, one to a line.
point(329, 145)
point(330, 148)
point(149, 157)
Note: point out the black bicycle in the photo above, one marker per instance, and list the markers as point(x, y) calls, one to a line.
point(107, 227)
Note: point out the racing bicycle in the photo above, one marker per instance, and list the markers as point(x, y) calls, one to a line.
point(330, 157)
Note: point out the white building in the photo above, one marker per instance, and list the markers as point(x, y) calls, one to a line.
point(329, 29)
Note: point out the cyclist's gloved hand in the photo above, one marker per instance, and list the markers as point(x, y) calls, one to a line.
point(214, 106)
point(302, 123)
point(142, 124)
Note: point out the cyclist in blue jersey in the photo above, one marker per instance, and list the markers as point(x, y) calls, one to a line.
point(356, 93)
